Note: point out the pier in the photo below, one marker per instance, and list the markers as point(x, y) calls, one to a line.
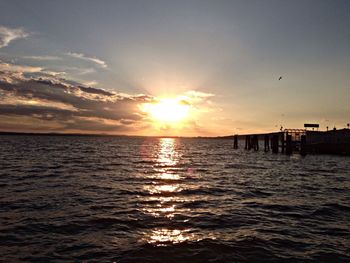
point(300, 141)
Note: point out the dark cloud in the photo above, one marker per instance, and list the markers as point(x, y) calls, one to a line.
point(95, 126)
point(96, 91)
point(36, 111)
point(68, 107)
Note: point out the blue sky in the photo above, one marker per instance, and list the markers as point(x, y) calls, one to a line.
point(232, 51)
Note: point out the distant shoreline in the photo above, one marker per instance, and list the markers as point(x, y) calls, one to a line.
point(107, 135)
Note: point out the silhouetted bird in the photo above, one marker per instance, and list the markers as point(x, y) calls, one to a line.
point(280, 78)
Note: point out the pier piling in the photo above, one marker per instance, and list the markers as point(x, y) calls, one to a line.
point(248, 143)
point(235, 142)
point(256, 143)
point(303, 145)
point(274, 143)
point(289, 147)
point(267, 143)
point(282, 142)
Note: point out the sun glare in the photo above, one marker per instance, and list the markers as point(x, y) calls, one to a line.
point(167, 110)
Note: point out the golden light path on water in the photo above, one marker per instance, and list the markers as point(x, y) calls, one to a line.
point(163, 199)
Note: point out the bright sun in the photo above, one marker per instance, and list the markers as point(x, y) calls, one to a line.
point(167, 110)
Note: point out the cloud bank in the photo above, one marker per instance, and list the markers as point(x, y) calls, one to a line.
point(42, 102)
point(33, 99)
point(8, 35)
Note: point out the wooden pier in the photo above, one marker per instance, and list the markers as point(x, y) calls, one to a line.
point(300, 141)
point(287, 141)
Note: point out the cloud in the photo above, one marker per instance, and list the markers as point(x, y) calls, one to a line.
point(34, 99)
point(7, 67)
point(198, 94)
point(42, 58)
point(81, 56)
point(58, 105)
point(86, 71)
point(196, 97)
point(91, 83)
point(8, 35)
point(29, 71)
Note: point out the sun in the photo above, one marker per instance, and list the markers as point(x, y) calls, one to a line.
point(167, 110)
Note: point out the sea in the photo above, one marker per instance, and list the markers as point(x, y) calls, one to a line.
point(144, 199)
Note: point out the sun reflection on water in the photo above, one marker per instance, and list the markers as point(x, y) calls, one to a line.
point(164, 196)
point(162, 237)
point(167, 154)
point(162, 189)
point(169, 176)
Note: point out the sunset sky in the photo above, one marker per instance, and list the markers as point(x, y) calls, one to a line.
point(191, 68)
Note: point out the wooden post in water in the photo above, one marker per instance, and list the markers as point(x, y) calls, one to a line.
point(275, 140)
point(247, 142)
point(267, 143)
point(303, 150)
point(256, 143)
point(235, 142)
point(282, 141)
point(271, 141)
point(289, 147)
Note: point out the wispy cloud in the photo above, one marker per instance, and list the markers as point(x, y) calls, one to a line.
point(43, 58)
point(81, 56)
point(196, 97)
point(8, 35)
point(86, 71)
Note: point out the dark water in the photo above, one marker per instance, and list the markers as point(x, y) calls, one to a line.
point(115, 199)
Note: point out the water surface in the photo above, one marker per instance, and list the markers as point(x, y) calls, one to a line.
point(121, 199)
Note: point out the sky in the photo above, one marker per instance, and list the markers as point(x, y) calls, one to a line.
point(92, 66)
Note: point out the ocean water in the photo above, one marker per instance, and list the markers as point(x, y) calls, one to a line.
point(121, 199)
